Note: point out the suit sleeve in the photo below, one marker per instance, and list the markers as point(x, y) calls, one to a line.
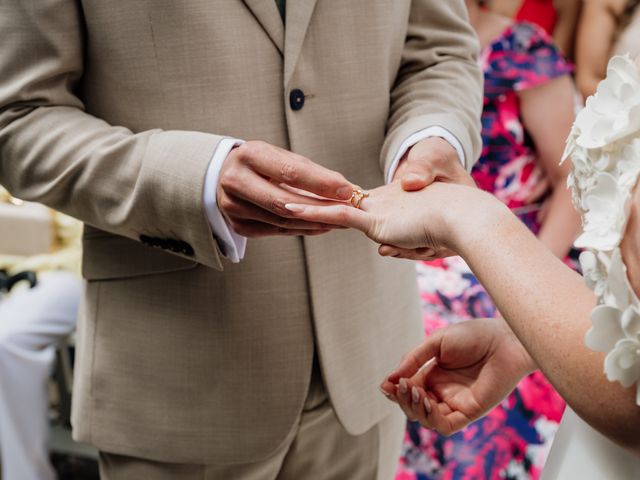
point(52, 151)
point(439, 82)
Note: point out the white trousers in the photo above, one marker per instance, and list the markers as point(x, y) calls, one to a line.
point(32, 322)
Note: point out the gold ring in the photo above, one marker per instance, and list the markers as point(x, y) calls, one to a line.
point(357, 196)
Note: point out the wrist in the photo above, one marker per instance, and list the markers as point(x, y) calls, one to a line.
point(473, 219)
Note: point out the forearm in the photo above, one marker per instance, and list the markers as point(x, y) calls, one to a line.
point(561, 224)
point(588, 83)
point(127, 181)
point(122, 182)
point(548, 307)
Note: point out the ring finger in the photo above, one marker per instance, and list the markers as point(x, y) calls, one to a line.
point(240, 209)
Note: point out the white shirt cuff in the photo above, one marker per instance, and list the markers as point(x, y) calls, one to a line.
point(428, 132)
point(232, 245)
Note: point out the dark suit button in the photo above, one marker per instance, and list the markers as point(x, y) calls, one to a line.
point(296, 99)
point(186, 249)
point(145, 240)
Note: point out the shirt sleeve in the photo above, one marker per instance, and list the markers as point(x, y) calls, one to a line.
point(428, 132)
point(232, 245)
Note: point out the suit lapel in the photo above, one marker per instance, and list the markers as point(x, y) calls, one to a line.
point(267, 15)
point(298, 17)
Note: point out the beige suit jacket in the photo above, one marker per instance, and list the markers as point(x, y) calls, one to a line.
point(110, 111)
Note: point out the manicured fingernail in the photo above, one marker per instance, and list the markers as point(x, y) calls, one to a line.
point(386, 394)
point(415, 395)
point(404, 388)
point(294, 207)
point(344, 193)
point(427, 405)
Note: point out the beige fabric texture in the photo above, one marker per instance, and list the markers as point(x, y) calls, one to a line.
point(110, 112)
point(317, 448)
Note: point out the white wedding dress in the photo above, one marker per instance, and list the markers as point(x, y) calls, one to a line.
point(580, 453)
point(604, 146)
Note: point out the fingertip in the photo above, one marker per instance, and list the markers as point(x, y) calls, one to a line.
point(388, 395)
point(403, 385)
point(394, 378)
point(427, 405)
point(294, 207)
point(387, 251)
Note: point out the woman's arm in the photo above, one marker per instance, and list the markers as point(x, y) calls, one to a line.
point(561, 224)
point(548, 306)
point(545, 303)
point(596, 32)
point(565, 30)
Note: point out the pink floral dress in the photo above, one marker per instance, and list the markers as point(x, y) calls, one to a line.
point(512, 441)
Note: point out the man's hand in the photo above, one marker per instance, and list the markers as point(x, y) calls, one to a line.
point(253, 190)
point(458, 374)
point(429, 160)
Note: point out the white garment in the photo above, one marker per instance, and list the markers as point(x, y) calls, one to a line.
point(32, 322)
point(580, 452)
point(604, 146)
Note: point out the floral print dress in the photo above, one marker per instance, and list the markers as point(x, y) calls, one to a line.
point(512, 441)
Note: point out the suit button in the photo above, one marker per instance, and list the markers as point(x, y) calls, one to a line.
point(296, 99)
point(145, 239)
point(186, 249)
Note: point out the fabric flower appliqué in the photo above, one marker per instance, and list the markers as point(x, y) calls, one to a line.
point(613, 112)
point(605, 214)
point(604, 145)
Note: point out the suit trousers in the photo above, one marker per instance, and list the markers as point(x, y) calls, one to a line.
point(318, 448)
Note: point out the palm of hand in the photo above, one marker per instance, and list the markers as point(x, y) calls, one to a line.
point(479, 362)
point(400, 218)
point(473, 389)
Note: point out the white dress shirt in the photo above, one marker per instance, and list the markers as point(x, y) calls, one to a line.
point(233, 246)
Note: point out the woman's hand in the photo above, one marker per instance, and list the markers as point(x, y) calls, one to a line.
point(421, 224)
point(458, 374)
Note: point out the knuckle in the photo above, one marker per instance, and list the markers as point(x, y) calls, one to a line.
point(289, 171)
point(247, 149)
point(225, 203)
point(229, 179)
point(256, 148)
point(277, 205)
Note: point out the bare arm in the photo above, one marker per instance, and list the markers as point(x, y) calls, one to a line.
point(548, 306)
point(595, 37)
point(562, 223)
point(564, 33)
point(545, 303)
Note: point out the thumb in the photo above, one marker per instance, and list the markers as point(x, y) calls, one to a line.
point(414, 181)
point(413, 361)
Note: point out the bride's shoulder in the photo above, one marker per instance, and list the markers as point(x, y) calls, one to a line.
point(604, 146)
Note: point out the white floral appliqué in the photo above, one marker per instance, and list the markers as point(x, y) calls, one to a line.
point(604, 145)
